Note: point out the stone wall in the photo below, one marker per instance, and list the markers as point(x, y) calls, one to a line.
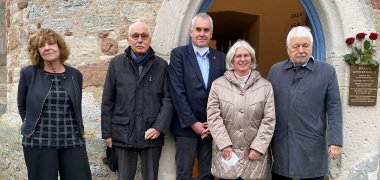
point(3, 77)
point(340, 20)
point(96, 30)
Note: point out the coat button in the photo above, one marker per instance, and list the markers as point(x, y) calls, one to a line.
point(241, 110)
point(241, 148)
point(242, 94)
point(241, 130)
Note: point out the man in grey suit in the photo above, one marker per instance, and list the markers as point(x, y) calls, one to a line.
point(308, 112)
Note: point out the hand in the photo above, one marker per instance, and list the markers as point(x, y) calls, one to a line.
point(254, 155)
point(334, 151)
point(154, 133)
point(206, 132)
point(198, 128)
point(227, 153)
point(205, 125)
point(109, 142)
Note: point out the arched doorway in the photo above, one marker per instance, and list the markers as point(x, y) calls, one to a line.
point(3, 74)
point(263, 25)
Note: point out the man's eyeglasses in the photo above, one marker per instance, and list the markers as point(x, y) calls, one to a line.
point(296, 47)
point(136, 36)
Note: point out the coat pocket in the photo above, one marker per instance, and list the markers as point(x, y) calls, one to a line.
point(221, 170)
point(120, 128)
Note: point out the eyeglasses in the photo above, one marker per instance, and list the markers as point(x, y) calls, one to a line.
point(296, 47)
point(240, 56)
point(136, 36)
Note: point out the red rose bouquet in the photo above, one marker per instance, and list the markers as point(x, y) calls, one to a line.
point(363, 50)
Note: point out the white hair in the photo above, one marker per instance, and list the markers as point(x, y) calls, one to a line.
point(137, 23)
point(231, 53)
point(299, 31)
point(203, 16)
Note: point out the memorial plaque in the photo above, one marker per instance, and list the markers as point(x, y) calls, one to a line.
point(363, 85)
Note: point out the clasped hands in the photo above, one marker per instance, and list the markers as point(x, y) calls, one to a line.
point(201, 129)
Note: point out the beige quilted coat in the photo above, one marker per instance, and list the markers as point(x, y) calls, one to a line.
point(243, 118)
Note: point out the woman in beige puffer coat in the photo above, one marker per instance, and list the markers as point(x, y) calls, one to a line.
point(241, 118)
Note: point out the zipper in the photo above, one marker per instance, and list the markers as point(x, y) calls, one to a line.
point(77, 114)
point(39, 116)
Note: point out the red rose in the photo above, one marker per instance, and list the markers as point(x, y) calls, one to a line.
point(361, 35)
point(373, 36)
point(350, 40)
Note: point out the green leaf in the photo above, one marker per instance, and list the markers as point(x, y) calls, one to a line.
point(350, 58)
point(366, 58)
point(374, 62)
point(366, 44)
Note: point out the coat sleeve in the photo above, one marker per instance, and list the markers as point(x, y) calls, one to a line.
point(266, 129)
point(334, 112)
point(215, 122)
point(178, 91)
point(108, 101)
point(22, 93)
point(164, 117)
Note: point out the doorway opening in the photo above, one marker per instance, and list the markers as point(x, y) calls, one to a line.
point(262, 24)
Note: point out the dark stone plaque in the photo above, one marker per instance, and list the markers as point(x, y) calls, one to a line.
point(363, 85)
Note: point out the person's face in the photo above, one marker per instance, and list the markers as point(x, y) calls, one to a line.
point(139, 39)
point(201, 32)
point(242, 61)
point(300, 50)
point(49, 51)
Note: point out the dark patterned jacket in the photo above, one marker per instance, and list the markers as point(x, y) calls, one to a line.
point(34, 86)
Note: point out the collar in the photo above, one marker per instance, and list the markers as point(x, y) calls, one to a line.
point(309, 64)
point(202, 52)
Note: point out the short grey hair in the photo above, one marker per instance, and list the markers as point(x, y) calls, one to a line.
point(297, 32)
point(203, 16)
point(136, 23)
point(231, 53)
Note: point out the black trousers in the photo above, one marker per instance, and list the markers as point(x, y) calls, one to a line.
point(127, 162)
point(279, 177)
point(44, 164)
point(186, 150)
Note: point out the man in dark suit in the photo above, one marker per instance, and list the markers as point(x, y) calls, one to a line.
point(191, 71)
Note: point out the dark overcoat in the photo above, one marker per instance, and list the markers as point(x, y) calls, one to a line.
point(309, 118)
point(133, 103)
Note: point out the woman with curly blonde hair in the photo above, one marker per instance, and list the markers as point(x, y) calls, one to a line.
point(49, 102)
